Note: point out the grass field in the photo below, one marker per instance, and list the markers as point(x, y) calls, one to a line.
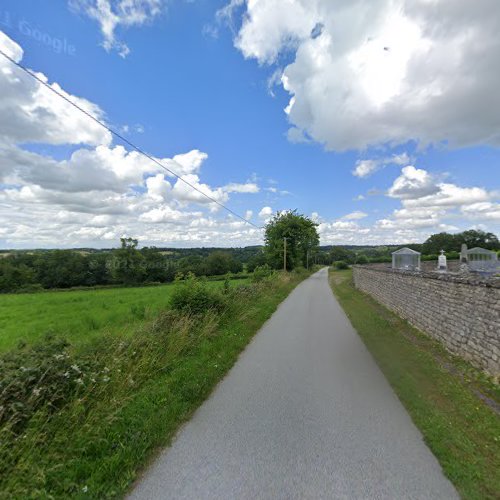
point(79, 315)
point(454, 405)
point(119, 401)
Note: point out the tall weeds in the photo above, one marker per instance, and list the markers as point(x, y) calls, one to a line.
point(78, 423)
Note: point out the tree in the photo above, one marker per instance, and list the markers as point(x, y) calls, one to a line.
point(255, 261)
point(361, 259)
point(218, 263)
point(452, 242)
point(440, 241)
point(340, 253)
point(301, 237)
point(155, 265)
point(473, 238)
point(192, 264)
point(62, 269)
point(99, 269)
point(127, 263)
point(12, 276)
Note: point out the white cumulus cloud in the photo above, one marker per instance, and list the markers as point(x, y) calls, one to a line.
point(413, 183)
point(249, 187)
point(265, 212)
point(98, 191)
point(111, 14)
point(369, 72)
point(355, 215)
point(31, 113)
point(365, 168)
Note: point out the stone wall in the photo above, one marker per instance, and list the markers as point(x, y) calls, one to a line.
point(462, 313)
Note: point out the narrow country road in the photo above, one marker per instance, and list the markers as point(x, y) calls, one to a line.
point(304, 414)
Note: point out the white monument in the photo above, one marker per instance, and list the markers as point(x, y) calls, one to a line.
point(442, 266)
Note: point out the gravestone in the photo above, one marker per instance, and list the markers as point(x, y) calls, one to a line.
point(464, 266)
point(442, 265)
point(463, 254)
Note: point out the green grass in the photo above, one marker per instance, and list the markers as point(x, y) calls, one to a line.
point(443, 394)
point(147, 386)
point(80, 316)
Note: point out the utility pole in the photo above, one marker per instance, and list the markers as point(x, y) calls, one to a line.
point(307, 259)
point(284, 254)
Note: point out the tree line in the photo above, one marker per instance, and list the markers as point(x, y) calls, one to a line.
point(130, 265)
point(127, 265)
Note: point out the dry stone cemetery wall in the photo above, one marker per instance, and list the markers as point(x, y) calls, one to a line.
point(462, 313)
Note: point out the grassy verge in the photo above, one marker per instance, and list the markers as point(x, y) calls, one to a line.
point(454, 406)
point(79, 315)
point(109, 407)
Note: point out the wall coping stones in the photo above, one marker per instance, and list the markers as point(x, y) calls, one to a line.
point(470, 279)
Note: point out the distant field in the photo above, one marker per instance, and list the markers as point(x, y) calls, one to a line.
point(79, 315)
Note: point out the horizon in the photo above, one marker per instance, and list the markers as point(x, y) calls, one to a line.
point(375, 133)
point(320, 246)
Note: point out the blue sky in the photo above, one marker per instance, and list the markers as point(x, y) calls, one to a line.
point(196, 77)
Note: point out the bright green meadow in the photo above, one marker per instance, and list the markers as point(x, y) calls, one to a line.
point(83, 423)
point(80, 315)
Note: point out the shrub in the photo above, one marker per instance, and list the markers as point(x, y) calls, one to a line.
point(30, 288)
point(227, 284)
point(340, 264)
point(43, 376)
point(194, 296)
point(261, 272)
point(427, 258)
point(361, 259)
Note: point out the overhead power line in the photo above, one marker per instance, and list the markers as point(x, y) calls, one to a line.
point(126, 141)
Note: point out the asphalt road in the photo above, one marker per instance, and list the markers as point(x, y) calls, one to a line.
point(304, 414)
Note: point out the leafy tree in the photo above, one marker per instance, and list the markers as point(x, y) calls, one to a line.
point(192, 264)
point(218, 263)
point(301, 236)
point(255, 261)
point(321, 257)
point(361, 259)
point(13, 277)
point(99, 269)
point(62, 269)
point(440, 241)
point(155, 265)
point(340, 253)
point(474, 238)
point(452, 242)
point(128, 263)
